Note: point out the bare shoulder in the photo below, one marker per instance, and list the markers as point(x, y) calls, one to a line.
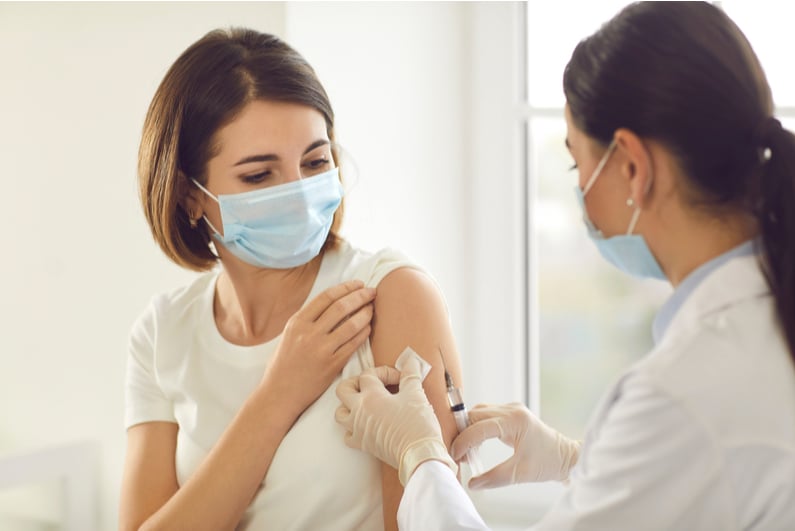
point(410, 284)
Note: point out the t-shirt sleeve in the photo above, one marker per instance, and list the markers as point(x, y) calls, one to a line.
point(385, 262)
point(145, 400)
point(373, 271)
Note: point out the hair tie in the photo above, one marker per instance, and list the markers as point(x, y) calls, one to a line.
point(767, 129)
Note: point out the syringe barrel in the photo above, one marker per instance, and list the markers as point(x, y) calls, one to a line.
point(461, 419)
point(454, 398)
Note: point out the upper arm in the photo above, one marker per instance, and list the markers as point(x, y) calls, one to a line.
point(410, 312)
point(150, 477)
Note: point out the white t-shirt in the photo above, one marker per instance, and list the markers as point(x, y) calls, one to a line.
point(180, 369)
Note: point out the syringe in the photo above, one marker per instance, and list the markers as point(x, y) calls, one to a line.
point(461, 416)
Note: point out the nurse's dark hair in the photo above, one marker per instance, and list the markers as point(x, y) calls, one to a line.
point(684, 74)
point(205, 89)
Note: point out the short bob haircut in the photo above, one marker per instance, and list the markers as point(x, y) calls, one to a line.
point(207, 86)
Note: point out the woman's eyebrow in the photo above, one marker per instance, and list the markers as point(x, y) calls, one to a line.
point(316, 144)
point(269, 157)
point(568, 146)
point(256, 158)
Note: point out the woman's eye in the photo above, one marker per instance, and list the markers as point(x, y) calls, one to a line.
point(315, 164)
point(573, 167)
point(257, 177)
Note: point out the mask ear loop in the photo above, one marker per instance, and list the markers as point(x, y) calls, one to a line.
point(204, 216)
point(633, 221)
point(599, 167)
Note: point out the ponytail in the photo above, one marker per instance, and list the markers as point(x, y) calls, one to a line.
point(775, 212)
point(683, 74)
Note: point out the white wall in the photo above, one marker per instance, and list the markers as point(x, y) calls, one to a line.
point(426, 99)
point(79, 262)
point(396, 74)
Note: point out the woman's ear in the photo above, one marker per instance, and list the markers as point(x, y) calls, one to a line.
point(191, 200)
point(636, 167)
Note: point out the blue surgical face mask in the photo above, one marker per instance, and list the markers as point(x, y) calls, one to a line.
point(281, 226)
point(628, 252)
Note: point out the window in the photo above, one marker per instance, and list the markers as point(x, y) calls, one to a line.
point(588, 322)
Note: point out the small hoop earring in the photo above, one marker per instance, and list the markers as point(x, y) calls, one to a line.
point(192, 219)
point(630, 202)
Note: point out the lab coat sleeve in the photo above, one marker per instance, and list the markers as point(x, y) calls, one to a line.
point(650, 465)
point(434, 499)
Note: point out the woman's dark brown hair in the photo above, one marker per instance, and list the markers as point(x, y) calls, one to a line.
point(684, 74)
point(203, 91)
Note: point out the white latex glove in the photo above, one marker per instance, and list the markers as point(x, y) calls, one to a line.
point(399, 429)
point(540, 453)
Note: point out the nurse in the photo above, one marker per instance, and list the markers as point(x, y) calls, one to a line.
point(684, 175)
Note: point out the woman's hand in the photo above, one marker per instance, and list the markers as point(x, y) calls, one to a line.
point(317, 342)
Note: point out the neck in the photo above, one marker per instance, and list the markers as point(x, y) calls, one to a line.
point(686, 241)
point(252, 304)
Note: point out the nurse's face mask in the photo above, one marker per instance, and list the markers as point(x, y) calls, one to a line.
point(281, 226)
point(628, 252)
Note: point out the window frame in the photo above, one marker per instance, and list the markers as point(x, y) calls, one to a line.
point(526, 113)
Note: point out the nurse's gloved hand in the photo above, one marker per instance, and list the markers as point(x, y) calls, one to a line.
point(399, 429)
point(540, 453)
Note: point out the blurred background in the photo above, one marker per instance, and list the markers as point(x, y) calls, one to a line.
point(451, 119)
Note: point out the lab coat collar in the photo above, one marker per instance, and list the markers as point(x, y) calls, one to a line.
point(691, 282)
point(739, 279)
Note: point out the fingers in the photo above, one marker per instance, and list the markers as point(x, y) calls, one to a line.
point(344, 417)
point(340, 312)
point(351, 390)
point(344, 351)
point(347, 391)
point(474, 435)
point(351, 328)
point(351, 442)
point(321, 303)
point(351, 393)
point(485, 411)
point(411, 374)
point(498, 476)
point(382, 375)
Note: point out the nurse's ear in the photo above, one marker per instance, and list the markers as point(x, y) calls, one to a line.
point(636, 168)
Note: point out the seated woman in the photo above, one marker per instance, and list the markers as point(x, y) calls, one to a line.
point(230, 380)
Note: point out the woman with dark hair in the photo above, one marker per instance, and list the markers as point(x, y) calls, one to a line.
point(684, 175)
point(229, 392)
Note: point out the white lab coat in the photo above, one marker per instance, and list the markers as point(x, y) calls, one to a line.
point(698, 435)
